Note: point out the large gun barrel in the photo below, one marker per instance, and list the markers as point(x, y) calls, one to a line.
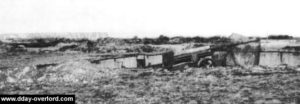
point(222, 47)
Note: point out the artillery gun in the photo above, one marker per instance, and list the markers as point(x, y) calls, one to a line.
point(202, 56)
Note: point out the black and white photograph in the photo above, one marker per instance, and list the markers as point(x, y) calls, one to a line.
point(149, 52)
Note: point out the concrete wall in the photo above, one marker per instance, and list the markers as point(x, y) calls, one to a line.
point(129, 62)
point(132, 62)
point(273, 59)
point(292, 59)
point(243, 55)
point(266, 53)
point(274, 53)
point(270, 59)
point(109, 63)
point(242, 59)
point(154, 60)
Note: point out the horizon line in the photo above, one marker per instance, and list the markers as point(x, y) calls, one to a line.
point(96, 35)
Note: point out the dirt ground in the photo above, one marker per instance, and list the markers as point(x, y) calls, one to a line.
point(218, 85)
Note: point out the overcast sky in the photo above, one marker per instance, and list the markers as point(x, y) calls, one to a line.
point(150, 18)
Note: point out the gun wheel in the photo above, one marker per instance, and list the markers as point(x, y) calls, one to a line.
point(207, 63)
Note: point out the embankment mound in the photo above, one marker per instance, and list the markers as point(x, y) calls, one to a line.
point(68, 72)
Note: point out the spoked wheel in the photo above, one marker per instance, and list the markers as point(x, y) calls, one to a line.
point(206, 63)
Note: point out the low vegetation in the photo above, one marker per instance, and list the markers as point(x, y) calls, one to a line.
point(219, 85)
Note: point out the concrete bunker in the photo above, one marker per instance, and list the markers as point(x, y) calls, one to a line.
point(265, 52)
